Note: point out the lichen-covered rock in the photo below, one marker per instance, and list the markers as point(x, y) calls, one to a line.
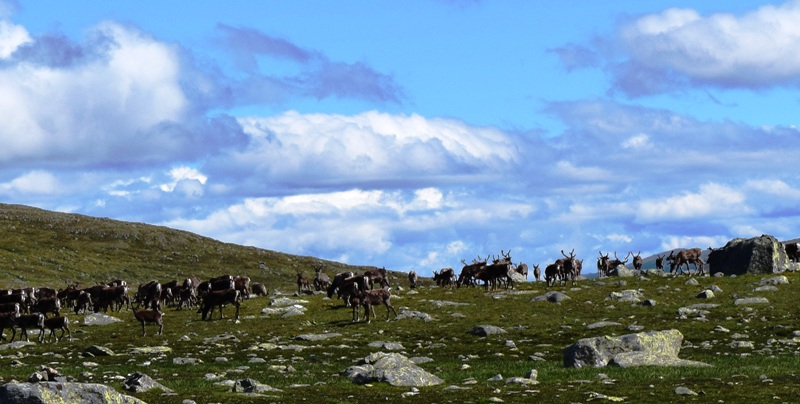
point(652, 348)
point(392, 368)
point(630, 295)
point(58, 392)
point(758, 255)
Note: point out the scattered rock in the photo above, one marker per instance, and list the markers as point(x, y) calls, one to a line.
point(415, 315)
point(750, 300)
point(601, 324)
point(777, 280)
point(66, 392)
point(392, 368)
point(97, 350)
point(652, 348)
point(150, 350)
point(317, 337)
point(139, 382)
point(252, 386)
point(486, 330)
point(706, 294)
point(389, 346)
point(552, 297)
point(684, 391)
point(99, 319)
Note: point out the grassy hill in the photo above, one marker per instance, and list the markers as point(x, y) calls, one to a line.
point(44, 248)
point(753, 349)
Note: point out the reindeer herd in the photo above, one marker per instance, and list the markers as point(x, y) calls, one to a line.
point(30, 307)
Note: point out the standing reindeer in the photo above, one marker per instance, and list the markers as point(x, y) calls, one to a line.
point(302, 283)
point(637, 260)
point(321, 281)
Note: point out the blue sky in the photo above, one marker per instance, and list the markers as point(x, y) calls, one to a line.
point(409, 137)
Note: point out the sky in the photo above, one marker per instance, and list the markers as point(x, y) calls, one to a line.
point(409, 135)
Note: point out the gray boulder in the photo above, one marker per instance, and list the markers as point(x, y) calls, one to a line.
point(758, 255)
point(392, 368)
point(621, 271)
point(652, 348)
point(139, 382)
point(486, 330)
point(552, 297)
point(50, 392)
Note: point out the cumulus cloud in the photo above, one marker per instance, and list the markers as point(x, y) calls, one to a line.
point(679, 48)
point(711, 200)
point(37, 182)
point(105, 108)
point(12, 36)
point(369, 149)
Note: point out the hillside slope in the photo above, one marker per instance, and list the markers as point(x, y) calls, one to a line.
point(45, 248)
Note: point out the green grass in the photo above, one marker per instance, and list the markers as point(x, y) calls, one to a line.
point(40, 248)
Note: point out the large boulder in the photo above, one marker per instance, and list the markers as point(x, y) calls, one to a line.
point(758, 255)
point(56, 392)
point(392, 368)
point(652, 348)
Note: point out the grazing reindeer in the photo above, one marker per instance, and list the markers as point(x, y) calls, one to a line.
point(150, 316)
point(370, 298)
point(522, 269)
point(412, 279)
point(302, 283)
point(219, 298)
point(56, 323)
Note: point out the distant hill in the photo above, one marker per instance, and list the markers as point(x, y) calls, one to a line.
point(45, 248)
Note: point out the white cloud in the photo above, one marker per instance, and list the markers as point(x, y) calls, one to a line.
point(372, 146)
point(183, 173)
point(638, 142)
point(37, 182)
point(712, 200)
point(104, 109)
point(12, 36)
point(759, 48)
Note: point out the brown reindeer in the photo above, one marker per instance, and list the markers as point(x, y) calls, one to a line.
point(56, 323)
point(686, 257)
point(154, 316)
point(321, 281)
point(302, 283)
point(537, 273)
point(637, 260)
point(412, 279)
point(569, 267)
point(370, 298)
point(660, 262)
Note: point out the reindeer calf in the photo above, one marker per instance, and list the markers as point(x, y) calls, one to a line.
point(53, 324)
point(150, 316)
point(370, 298)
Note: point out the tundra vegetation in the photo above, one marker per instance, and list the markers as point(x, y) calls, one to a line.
point(753, 349)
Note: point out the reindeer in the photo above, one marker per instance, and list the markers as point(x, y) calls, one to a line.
point(469, 271)
point(637, 260)
point(445, 277)
point(522, 269)
point(602, 264)
point(377, 274)
point(154, 316)
point(53, 324)
point(302, 283)
point(321, 281)
point(686, 257)
point(370, 298)
point(569, 267)
point(219, 298)
point(412, 279)
point(660, 262)
point(616, 261)
point(537, 273)
point(551, 273)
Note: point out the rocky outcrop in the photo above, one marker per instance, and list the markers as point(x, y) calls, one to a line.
point(56, 392)
point(653, 348)
point(758, 255)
